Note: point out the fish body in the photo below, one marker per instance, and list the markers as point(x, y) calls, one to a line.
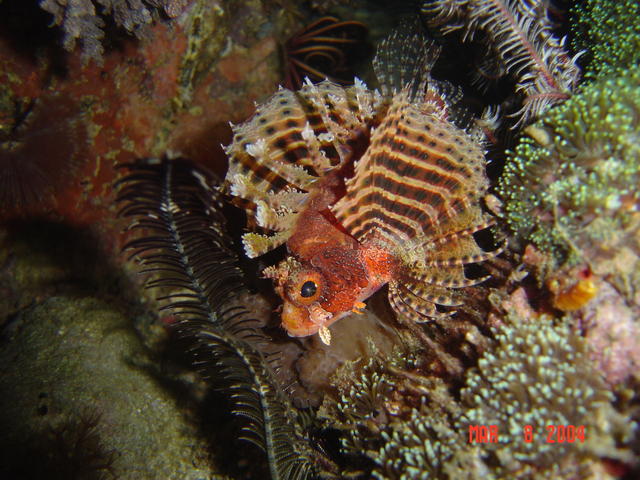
point(365, 190)
point(343, 272)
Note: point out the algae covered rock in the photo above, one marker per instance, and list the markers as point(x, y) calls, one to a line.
point(76, 394)
point(82, 388)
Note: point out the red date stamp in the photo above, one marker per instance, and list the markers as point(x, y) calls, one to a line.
point(552, 434)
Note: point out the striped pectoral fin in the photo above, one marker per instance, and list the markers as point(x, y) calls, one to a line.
point(451, 276)
point(278, 220)
point(256, 244)
point(458, 252)
point(242, 186)
point(432, 293)
point(440, 240)
point(412, 307)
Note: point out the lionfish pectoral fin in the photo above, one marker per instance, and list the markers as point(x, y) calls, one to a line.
point(411, 307)
point(431, 294)
point(256, 244)
point(451, 277)
point(279, 220)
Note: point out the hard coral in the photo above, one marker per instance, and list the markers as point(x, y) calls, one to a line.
point(570, 187)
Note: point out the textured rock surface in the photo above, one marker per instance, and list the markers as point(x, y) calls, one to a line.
point(81, 390)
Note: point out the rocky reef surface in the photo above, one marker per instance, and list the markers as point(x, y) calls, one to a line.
point(97, 376)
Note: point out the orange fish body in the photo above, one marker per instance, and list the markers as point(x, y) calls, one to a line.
point(364, 191)
point(332, 275)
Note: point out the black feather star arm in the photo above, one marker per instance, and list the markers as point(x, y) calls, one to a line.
point(182, 239)
point(182, 243)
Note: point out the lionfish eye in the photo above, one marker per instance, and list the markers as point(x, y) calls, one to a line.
point(308, 289)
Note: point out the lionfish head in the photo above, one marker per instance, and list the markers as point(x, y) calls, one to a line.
point(314, 296)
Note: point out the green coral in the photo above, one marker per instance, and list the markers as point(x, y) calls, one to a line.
point(608, 31)
point(575, 184)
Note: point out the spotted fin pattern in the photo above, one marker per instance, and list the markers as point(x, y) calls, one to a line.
point(293, 140)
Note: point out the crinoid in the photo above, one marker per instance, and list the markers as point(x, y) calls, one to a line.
point(176, 209)
point(520, 33)
point(323, 49)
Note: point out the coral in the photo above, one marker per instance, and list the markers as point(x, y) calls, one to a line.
point(419, 448)
point(607, 30)
point(541, 375)
point(570, 187)
point(83, 21)
point(389, 415)
point(612, 329)
point(408, 425)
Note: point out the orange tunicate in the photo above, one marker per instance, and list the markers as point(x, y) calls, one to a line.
point(576, 296)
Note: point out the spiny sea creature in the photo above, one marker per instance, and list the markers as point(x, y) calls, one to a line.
point(322, 50)
point(176, 206)
point(43, 144)
point(520, 33)
point(365, 190)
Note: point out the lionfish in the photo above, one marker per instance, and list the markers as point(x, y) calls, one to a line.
point(365, 189)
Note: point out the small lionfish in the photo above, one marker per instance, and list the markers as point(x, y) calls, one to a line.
point(365, 190)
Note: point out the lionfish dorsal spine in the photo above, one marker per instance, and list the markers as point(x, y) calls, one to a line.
point(404, 60)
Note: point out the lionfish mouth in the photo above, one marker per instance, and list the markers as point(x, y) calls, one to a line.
point(304, 321)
